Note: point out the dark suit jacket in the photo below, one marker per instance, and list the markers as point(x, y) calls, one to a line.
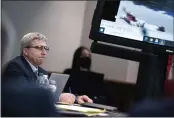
point(26, 100)
point(20, 95)
point(20, 70)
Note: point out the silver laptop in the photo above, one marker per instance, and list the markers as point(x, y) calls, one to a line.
point(61, 80)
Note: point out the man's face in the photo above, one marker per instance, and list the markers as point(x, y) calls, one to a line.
point(36, 52)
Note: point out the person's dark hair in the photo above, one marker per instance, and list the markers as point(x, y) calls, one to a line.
point(76, 58)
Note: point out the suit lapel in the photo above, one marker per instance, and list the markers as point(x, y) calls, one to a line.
point(29, 69)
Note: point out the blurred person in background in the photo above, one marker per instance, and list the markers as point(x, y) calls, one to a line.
point(83, 79)
point(81, 60)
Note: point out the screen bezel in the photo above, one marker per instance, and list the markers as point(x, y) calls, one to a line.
point(96, 36)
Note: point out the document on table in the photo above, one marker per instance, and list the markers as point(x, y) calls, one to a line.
point(86, 110)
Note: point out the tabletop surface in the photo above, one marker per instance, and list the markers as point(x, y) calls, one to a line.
point(71, 113)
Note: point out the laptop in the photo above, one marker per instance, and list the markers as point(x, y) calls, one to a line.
point(87, 82)
point(61, 80)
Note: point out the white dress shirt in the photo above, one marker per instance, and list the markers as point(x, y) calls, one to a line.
point(34, 68)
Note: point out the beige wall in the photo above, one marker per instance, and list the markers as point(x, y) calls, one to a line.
point(60, 21)
point(67, 25)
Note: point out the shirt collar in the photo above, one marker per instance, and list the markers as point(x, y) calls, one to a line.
point(32, 66)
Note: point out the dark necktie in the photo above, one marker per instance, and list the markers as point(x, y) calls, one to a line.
point(36, 73)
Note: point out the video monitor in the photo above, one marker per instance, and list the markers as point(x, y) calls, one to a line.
point(136, 23)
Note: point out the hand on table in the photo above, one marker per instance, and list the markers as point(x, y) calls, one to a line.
point(82, 99)
point(67, 98)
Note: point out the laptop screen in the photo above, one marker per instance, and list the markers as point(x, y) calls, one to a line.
point(61, 80)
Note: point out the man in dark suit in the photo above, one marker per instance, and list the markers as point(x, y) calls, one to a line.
point(20, 69)
point(18, 98)
point(24, 69)
point(26, 100)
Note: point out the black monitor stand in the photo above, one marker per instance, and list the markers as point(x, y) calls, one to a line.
point(152, 68)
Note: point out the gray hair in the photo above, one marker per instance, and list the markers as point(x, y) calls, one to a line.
point(26, 40)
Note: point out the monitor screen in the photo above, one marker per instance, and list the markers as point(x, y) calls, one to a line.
point(148, 22)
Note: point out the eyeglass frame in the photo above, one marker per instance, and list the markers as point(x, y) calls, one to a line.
point(39, 47)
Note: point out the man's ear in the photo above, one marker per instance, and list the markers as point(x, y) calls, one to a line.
point(25, 51)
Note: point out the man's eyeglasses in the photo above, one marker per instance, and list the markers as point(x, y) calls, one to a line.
point(40, 47)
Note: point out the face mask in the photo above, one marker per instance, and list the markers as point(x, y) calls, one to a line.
point(85, 62)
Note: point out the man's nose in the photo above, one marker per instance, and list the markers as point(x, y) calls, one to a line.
point(44, 52)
